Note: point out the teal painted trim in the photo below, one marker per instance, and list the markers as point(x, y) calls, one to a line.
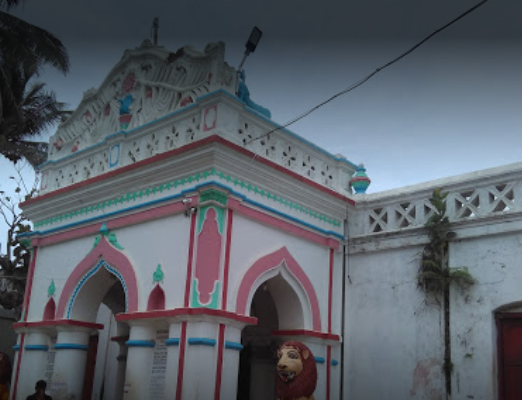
point(335, 363)
point(195, 104)
point(172, 342)
point(220, 91)
point(79, 286)
point(110, 214)
point(109, 268)
point(274, 124)
point(319, 360)
point(214, 297)
point(176, 196)
point(233, 345)
point(140, 343)
point(202, 341)
point(282, 214)
point(36, 347)
point(300, 138)
point(120, 132)
point(16, 347)
point(71, 346)
point(220, 214)
point(143, 193)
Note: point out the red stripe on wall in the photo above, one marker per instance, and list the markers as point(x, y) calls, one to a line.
point(189, 261)
point(183, 149)
point(330, 290)
point(227, 260)
point(329, 348)
point(17, 373)
point(29, 285)
point(93, 229)
point(281, 224)
point(27, 298)
point(219, 367)
point(328, 370)
point(181, 362)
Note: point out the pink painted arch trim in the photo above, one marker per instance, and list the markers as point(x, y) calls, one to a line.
point(113, 257)
point(269, 262)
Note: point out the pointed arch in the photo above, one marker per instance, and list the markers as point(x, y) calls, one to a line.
point(156, 299)
point(50, 310)
point(269, 266)
point(115, 262)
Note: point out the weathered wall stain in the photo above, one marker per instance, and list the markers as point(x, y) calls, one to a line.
point(426, 380)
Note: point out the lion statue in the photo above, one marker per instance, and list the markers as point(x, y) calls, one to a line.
point(296, 372)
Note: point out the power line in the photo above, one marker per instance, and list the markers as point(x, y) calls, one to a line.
point(368, 77)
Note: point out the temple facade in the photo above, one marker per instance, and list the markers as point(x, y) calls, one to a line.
point(172, 253)
point(180, 236)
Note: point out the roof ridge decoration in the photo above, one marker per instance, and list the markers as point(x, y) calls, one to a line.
point(147, 83)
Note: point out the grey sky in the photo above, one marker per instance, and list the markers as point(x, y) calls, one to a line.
point(452, 106)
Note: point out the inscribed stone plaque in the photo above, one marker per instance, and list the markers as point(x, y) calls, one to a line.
point(159, 366)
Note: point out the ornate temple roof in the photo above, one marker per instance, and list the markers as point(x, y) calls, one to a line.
point(156, 101)
point(148, 82)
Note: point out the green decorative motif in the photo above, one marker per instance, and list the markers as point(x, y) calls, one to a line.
point(158, 275)
point(52, 289)
point(25, 243)
point(220, 217)
point(114, 241)
point(103, 230)
point(213, 297)
point(193, 179)
point(111, 237)
point(214, 195)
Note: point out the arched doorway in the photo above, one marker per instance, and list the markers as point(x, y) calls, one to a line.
point(276, 306)
point(99, 298)
point(101, 286)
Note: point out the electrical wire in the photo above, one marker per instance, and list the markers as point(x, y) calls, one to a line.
point(368, 77)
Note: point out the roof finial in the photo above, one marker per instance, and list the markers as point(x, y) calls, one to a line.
point(155, 27)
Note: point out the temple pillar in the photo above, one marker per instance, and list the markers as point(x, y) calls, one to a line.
point(114, 390)
point(209, 355)
point(72, 345)
point(202, 354)
point(140, 352)
point(33, 362)
point(172, 368)
point(200, 362)
point(120, 374)
point(231, 349)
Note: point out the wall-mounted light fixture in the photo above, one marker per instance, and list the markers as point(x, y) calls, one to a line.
point(250, 47)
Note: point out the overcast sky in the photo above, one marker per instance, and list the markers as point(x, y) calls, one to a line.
point(452, 106)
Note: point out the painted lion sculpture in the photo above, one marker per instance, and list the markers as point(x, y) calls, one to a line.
point(296, 372)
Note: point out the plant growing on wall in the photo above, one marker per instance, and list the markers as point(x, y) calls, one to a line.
point(435, 277)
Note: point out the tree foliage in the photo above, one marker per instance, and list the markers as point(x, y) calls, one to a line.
point(15, 259)
point(26, 109)
point(434, 272)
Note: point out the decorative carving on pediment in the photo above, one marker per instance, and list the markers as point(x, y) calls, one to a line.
point(149, 82)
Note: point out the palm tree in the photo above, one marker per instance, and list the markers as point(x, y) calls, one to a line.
point(25, 113)
point(31, 112)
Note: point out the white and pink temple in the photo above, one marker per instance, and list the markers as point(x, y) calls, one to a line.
point(176, 244)
point(173, 252)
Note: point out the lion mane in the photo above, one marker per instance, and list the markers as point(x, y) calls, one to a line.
point(303, 385)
